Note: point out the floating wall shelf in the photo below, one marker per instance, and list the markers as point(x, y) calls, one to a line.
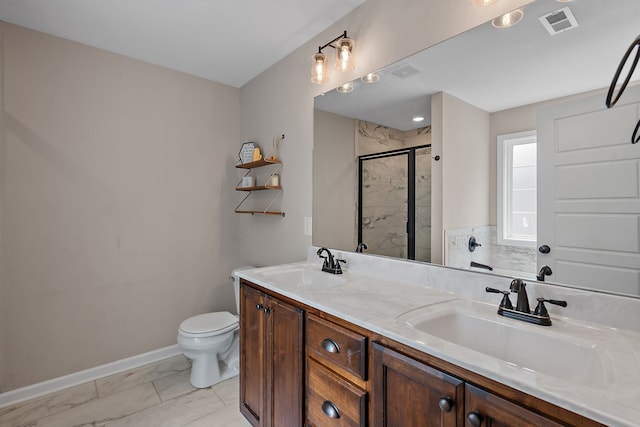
point(250, 190)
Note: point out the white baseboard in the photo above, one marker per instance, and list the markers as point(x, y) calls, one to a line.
point(60, 383)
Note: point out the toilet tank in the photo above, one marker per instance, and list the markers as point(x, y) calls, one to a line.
point(236, 284)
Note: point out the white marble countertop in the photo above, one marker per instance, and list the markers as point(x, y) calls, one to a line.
point(380, 293)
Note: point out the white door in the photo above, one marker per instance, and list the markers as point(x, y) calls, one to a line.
point(589, 193)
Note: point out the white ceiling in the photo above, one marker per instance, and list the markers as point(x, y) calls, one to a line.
point(227, 41)
point(499, 69)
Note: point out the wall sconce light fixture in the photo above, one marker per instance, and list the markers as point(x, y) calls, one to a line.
point(319, 70)
point(344, 47)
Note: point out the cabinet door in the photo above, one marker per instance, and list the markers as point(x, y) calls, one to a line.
point(488, 410)
point(252, 361)
point(285, 364)
point(409, 393)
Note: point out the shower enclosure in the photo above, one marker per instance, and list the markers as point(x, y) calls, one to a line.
point(394, 203)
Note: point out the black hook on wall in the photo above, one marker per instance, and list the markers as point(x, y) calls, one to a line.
point(611, 99)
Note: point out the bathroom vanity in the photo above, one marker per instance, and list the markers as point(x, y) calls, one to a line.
point(393, 342)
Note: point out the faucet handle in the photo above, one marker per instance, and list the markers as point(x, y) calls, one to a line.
point(541, 310)
point(338, 261)
point(506, 302)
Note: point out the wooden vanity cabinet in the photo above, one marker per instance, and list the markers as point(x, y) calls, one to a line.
point(487, 409)
point(407, 392)
point(271, 360)
point(410, 393)
point(302, 367)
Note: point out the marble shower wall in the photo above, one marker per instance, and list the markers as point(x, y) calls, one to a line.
point(385, 190)
point(503, 259)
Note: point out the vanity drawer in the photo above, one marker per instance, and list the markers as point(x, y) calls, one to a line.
point(340, 346)
point(332, 400)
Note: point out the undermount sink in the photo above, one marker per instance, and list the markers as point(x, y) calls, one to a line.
point(307, 276)
point(533, 348)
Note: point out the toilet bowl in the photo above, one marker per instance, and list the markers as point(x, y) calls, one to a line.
point(211, 341)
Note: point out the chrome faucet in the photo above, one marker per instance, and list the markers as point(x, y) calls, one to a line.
point(330, 264)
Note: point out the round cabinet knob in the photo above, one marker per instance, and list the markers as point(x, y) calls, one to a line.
point(267, 310)
point(544, 249)
point(446, 404)
point(475, 419)
point(330, 409)
point(259, 306)
point(330, 345)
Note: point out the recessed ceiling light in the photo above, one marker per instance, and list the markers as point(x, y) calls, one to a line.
point(508, 19)
point(370, 78)
point(417, 118)
point(483, 3)
point(345, 88)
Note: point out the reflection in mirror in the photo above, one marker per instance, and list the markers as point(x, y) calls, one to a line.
point(394, 197)
point(475, 89)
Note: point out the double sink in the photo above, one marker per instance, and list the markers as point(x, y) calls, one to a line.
point(565, 351)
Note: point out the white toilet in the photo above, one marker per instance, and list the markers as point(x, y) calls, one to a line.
point(211, 341)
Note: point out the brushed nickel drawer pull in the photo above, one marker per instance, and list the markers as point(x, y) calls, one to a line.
point(330, 409)
point(330, 345)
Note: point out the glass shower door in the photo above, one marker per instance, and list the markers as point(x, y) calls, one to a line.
point(423, 204)
point(383, 204)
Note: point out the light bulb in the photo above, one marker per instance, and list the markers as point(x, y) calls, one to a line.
point(344, 55)
point(319, 68)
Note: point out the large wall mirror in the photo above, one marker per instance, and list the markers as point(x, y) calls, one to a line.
point(518, 168)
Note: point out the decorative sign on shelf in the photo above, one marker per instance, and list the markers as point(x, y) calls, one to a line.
point(246, 152)
point(247, 181)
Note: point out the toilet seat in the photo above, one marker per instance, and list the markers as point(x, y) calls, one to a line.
point(209, 324)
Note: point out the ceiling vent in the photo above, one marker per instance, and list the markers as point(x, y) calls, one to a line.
point(404, 72)
point(558, 21)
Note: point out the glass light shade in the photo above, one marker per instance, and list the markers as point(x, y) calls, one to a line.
point(345, 88)
point(344, 55)
point(508, 19)
point(483, 3)
point(370, 78)
point(319, 72)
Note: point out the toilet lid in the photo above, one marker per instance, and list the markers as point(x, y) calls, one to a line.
point(209, 323)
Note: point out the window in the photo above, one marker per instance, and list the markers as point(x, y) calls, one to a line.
point(517, 195)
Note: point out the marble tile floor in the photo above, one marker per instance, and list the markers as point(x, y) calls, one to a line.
point(155, 395)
